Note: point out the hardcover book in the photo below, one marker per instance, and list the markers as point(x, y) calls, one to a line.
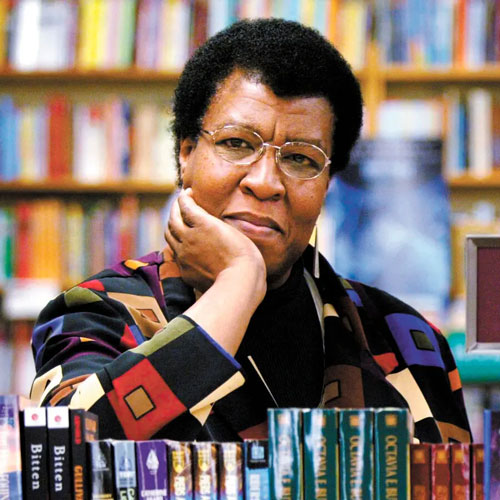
point(477, 471)
point(125, 474)
point(440, 471)
point(491, 454)
point(460, 471)
point(285, 452)
point(356, 454)
point(59, 439)
point(230, 471)
point(393, 434)
point(420, 471)
point(256, 471)
point(151, 459)
point(205, 478)
point(180, 476)
point(101, 469)
point(84, 427)
point(35, 453)
point(321, 478)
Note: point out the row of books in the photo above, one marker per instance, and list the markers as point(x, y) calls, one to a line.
point(160, 34)
point(89, 142)
point(438, 33)
point(147, 34)
point(468, 122)
point(67, 241)
point(310, 454)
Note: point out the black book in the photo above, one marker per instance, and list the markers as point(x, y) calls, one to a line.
point(59, 440)
point(101, 469)
point(84, 428)
point(35, 453)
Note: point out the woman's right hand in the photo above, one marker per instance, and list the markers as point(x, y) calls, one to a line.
point(205, 246)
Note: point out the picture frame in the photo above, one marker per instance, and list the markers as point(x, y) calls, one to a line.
point(482, 265)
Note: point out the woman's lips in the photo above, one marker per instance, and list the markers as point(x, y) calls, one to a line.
point(252, 224)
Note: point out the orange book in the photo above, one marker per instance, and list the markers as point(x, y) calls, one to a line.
point(128, 217)
point(460, 35)
point(59, 147)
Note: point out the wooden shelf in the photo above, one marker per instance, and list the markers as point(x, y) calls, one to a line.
point(132, 75)
point(73, 187)
point(468, 181)
point(407, 74)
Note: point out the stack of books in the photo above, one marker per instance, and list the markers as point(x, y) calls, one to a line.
point(56, 452)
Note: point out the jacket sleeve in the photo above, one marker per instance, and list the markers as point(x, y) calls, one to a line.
point(92, 351)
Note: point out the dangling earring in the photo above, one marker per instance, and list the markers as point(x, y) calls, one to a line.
point(316, 253)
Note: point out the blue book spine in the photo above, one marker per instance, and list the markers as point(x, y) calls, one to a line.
point(491, 454)
point(10, 447)
point(256, 472)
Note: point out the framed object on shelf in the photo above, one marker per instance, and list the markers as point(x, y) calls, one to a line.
point(482, 254)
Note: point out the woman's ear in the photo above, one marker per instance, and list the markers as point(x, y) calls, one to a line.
point(187, 146)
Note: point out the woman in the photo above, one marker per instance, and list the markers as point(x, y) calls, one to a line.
point(237, 313)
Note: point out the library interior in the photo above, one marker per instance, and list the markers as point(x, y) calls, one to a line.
point(88, 173)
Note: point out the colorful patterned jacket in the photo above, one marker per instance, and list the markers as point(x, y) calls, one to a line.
point(119, 345)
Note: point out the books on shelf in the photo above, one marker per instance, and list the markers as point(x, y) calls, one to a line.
point(377, 459)
point(87, 142)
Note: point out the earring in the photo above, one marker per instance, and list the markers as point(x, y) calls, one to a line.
point(316, 253)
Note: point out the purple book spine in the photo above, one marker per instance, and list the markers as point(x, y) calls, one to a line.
point(152, 469)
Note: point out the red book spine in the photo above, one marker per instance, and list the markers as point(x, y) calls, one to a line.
point(440, 472)
point(23, 240)
point(477, 471)
point(60, 138)
point(460, 471)
point(420, 471)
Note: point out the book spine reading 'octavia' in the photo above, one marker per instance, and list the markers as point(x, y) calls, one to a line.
point(285, 452)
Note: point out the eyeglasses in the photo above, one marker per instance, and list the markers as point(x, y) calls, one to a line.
point(243, 146)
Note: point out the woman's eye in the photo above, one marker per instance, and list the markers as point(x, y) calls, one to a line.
point(236, 143)
point(299, 159)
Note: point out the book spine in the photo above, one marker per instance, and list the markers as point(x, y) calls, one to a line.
point(59, 452)
point(10, 448)
point(101, 469)
point(477, 471)
point(35, 453)
point(84, 428)
point(320, 428)
point(460, 471)
point(256, 470)
point(180, 471)
point(230, 471)
point(205, 484)
point(151, 458)
point(125, 474)
point(356, 454)
point(420, 471)
point(491, 454)
point(285, 454)
point(440, 471)
point(392, 460)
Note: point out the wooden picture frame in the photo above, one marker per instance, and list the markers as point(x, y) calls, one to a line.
point(482, 259)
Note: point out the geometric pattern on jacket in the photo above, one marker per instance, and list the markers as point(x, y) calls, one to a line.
point(119, 345)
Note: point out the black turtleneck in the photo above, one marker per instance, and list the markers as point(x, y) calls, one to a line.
point(284, 340)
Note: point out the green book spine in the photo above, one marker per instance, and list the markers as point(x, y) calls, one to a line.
point(285, 453)
point(320, 454)
point(393, 432)
point(356, 454)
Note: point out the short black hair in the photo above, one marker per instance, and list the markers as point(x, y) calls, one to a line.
point(290, 58)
